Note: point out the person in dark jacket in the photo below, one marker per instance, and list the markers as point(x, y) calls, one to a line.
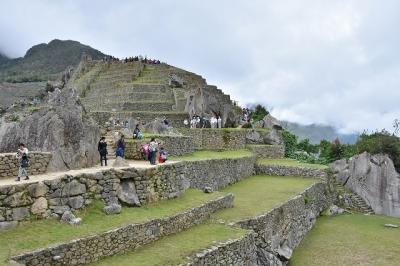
point(120, 152)
point(102, 148)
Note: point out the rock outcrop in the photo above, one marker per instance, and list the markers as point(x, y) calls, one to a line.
point(374, 178)
point(60, 127)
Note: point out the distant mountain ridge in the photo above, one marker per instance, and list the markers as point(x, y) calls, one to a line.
point(315, 133)
point(45, 61)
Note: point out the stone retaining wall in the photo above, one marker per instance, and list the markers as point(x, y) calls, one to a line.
point(216, 139)
point(174, 145)
point(70, 192)
point(127, 238)
point(241, 251)
point(219, 173)
point(280, 230)
point(267, 151)
point(283, 170)
point(174, 119)
point(9, 164)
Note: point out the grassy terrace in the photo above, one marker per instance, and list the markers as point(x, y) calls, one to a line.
point(291, 162)
point(258, 194)
point(253, 196)
point(350, 240)
point(41, 233)
point(206, 155)
point(174, 249)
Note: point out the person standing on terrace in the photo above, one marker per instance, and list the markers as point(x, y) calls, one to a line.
point(22, 156)
point(102, 148)
point(153, 148)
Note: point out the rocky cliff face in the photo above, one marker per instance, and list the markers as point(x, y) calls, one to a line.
point(374, 178)
point(60, 127)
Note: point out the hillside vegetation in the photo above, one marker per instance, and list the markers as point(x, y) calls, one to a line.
point(45, 61)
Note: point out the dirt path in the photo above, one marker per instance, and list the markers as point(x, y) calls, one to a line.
point(55, 175)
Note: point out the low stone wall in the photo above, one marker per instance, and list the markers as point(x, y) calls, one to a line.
point(218, 173)
point(127, 238)
point(280, 230)
point(174, 119)
point(240, 251)
point(283, 170)
point(9, 164)
point(216, 139)
point(267, 151)
point(70, 192)
point(174, 145)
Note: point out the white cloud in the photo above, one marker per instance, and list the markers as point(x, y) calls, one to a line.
point(334, 62)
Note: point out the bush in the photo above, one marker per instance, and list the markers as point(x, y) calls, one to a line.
point(247, 125)
point(290, 141)
point(259, 113)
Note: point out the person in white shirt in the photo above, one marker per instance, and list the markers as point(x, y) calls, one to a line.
point(219, 122)
point(22, 156)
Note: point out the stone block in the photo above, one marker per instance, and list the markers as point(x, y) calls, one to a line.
point(19, 214)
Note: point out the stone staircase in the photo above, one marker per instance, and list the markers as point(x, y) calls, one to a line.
point(110, 143)
point(352, 201)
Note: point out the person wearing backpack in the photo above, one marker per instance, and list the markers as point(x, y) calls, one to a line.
point(153, 148)
point(102, 148)
point(23, 159)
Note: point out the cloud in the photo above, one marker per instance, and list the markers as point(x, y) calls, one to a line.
point(332, 62)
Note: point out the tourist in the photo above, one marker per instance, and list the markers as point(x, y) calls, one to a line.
point(213, 122)
point(219, 122)
point(153, 148)
point(120, 152)
point(186, 122)
point(137, 134)
point(163, 155)
point(144, 150)
point(23, 160)
point(102, 148)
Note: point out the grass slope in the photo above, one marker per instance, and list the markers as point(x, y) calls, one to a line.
point(253, 196)
point(291, 162)
point(207, 155)
point(350, 240)
point(258, 194)
point(173, 250)
point(41, 233)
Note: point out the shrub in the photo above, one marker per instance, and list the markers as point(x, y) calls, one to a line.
point(259, 113)
point(247, 125)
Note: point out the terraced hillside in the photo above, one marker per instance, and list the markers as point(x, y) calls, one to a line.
point(139, 92)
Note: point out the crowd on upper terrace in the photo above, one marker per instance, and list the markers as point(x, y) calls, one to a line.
point(132, 59)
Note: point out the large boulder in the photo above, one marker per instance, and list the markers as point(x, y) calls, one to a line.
point(269, 122)
point(61, 127)
point(374, 178)
point(127, 193)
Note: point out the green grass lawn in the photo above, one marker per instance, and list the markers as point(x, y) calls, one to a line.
point(206, 155)
point(258, 194)
point(41, 233)
point(291, 162)
point(253, 196)
point(173, 249)
point(350, 240)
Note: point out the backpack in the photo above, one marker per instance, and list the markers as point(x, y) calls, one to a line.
point(24, 160)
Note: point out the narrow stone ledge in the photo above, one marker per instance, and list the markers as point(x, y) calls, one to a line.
point(283, 170)
point(92, 248)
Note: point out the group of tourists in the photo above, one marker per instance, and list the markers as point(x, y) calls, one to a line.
point(216, 122)
point(149, 151)
point(202, 122)
point(245, 117)
point(141, 59)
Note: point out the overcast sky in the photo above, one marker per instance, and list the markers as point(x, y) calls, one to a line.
point(330, 62)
